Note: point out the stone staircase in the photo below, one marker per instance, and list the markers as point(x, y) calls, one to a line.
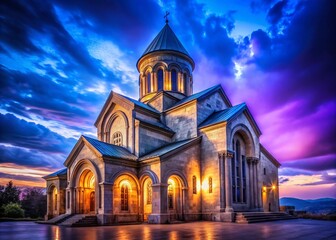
point(56, 220)
point(80, 220)
point(254, 217)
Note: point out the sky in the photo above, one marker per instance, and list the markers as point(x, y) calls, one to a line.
point(59, 60)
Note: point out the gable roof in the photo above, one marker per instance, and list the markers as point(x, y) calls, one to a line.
point(141, 104)
point(166, 40)
point(101, 149)
point(169, 148)
point(223, 116)
point(201, 95)
point(227, 114)
point(57, 173)
point(131, 101)
point(110, 150)
point(155, 124)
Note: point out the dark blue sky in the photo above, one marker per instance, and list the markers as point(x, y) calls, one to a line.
point(60, 59)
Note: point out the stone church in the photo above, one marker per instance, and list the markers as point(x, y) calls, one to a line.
point(173, 155)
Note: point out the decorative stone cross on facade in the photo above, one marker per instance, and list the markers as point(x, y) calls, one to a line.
point(166, 16)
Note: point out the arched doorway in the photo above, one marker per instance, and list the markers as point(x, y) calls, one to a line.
point(175, 198)
point(86, 198)
point(147, 197)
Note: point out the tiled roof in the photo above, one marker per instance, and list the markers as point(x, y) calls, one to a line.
point(141, 104)
point(110, 150)
point(156, 124)
point(57, 173)
point(198, 95)
point(166, 149)
point(166, 40)
point(224, 115)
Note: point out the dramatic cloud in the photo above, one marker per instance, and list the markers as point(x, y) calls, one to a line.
point(60, 59)
point(32, 136)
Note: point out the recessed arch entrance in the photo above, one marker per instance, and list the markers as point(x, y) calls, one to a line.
point(53, 196)
point(86, 197)
point(147, 197)
point(175, 198)
point(126, 197)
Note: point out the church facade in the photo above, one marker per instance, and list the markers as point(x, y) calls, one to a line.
point(172, 155)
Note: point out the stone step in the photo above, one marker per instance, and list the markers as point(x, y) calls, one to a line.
point(250, 217)
point(86, 221)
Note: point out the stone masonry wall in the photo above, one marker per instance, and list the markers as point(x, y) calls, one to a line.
point(213, 141)
point(209, 105)
point(268, 176)
point(183, 122)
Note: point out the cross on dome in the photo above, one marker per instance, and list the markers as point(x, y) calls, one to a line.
point(166, 16)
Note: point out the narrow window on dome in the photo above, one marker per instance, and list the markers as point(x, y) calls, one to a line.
point(174, 80)
point(160, 79)
point(148, 83)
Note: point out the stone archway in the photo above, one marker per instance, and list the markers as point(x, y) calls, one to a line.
point(126, 198)
point(147, 197)
point(85, 202)
point(53, 196)
point(175, 198)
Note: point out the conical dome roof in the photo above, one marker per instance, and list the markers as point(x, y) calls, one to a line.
point(166, 40)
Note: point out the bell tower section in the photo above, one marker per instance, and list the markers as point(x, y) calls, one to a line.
point(165, 71)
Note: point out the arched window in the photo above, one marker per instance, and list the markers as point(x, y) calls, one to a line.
point(149, 193)
point(124, 197)
point(160, 79)
point(238, 169)
point(174, 80)
point(210, 184)
point(117, 138)
point(148, 83)
point(56, 201)
point(170, 196)
point(238, 183)
point(194, 185)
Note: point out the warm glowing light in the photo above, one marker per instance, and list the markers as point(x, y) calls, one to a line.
point(205, 185)
point(92, 182)
point(127, 183)
point(171, 182)
point(273, 187)
point(264, 189)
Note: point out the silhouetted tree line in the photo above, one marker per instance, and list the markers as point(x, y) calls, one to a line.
point(30, 202)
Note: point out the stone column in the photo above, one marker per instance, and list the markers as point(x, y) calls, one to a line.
point(184, 202)
point(251, 181)
point(228, 184)
point(221, 167)
point(159, 204)
point(49, 213)
point(258, 189)
point(106, 198)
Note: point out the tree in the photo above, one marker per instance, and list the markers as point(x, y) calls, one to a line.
point(10, 194)
point(13, 210)
point(34, 202)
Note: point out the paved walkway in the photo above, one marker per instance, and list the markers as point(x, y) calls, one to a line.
point(287, 229)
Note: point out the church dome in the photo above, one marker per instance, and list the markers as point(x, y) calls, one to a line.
point(166, 40)
point(166, 67)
